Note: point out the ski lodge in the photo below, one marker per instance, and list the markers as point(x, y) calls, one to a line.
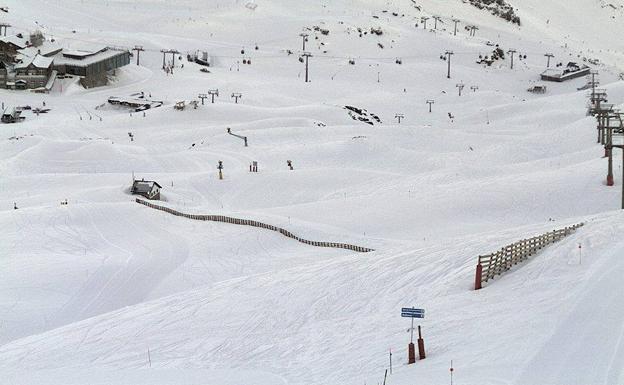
point(93, 66)
point(33, 63)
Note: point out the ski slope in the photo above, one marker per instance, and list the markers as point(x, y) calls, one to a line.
point(105, 290)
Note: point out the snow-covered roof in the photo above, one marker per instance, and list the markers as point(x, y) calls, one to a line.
point(17, 41)
point(85, 60)
point(553, 72)
point(45, 49)
point(144, 186)
point(84, 49)
point(38, 61)
point(80, 54)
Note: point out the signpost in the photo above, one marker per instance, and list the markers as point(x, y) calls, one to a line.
point(412, 313)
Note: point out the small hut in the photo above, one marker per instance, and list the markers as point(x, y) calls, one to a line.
point(146, 188)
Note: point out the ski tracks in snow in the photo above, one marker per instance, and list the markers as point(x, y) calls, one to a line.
point(587, 347)
point(146, 253)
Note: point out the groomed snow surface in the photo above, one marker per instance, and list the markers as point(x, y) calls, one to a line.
point(106, 291)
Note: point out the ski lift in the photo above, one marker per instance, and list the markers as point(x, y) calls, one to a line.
point(300, 59)
point(244, 61)
point(243, 51)
point(399, 61)
point(352, 61)
point(256, 47)
point(248, 61)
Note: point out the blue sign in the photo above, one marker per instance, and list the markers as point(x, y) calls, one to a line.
point(409, 312)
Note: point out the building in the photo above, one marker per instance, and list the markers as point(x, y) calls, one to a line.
point(10, 47)
point(560, 74)
point(32, 73)
point(26, 65)
point(147, 188)
point(93, 66)
point(33, 63)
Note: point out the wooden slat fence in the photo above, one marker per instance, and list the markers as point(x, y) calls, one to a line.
point(501, 261)
point(249, 222)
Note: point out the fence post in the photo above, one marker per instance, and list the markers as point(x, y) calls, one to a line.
point(478, 276)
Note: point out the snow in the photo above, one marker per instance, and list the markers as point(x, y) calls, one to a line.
point(88, 288)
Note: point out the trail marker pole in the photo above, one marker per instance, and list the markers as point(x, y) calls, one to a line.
point(390, 361)
point(580, 248)
point(451, 371)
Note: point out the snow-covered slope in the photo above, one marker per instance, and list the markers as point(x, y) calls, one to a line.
point(94, 285)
